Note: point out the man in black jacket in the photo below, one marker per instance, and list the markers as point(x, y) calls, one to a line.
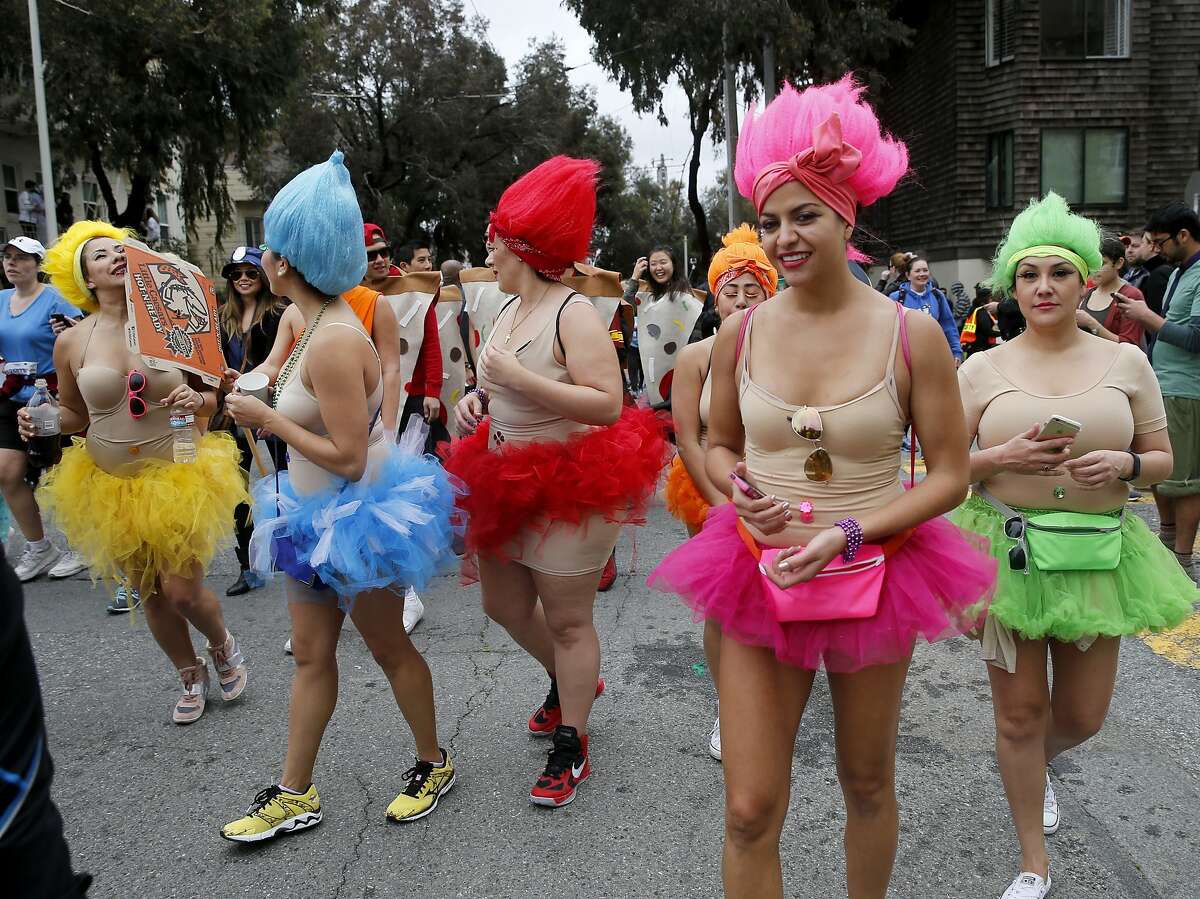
point(1149, 273)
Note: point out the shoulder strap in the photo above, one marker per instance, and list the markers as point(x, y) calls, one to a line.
point(558, 320)
point(741, 340)
point(902, 312)
point(904, 348)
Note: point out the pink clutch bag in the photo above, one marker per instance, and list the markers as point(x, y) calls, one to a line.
point(839, 592)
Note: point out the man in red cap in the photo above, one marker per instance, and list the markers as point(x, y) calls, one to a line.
point(379, 258)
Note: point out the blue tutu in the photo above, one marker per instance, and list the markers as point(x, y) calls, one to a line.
point(395, 529)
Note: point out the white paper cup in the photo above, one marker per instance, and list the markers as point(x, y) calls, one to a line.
point(255, 384)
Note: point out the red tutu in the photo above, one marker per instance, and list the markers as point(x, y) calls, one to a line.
point(683, 499)
point(937, 585)
point(610, 471)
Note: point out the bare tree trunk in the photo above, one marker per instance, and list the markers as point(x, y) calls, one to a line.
point(700, 116)
point(97, 165)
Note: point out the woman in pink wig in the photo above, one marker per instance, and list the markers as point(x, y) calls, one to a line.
point(823, 559)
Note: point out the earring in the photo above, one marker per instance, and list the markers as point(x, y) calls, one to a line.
point(281, 273)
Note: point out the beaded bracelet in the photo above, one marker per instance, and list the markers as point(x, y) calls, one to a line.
point(854, 538)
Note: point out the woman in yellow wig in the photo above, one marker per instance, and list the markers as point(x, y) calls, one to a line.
point(739, 276)
point(136, 515)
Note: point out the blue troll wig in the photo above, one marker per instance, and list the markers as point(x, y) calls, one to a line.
point(315, 223)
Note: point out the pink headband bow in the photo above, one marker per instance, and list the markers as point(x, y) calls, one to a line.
point(824, 169)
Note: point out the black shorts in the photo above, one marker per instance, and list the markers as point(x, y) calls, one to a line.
point(10, 438)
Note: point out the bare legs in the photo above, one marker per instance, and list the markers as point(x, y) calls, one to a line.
point(177, 602)
point(762, 703)
point(19, 495)
point(316, 627)
point(1035, 725)
point(556, 629)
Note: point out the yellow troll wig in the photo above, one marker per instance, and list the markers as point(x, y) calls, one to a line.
point(742, 254)
point(64, 261)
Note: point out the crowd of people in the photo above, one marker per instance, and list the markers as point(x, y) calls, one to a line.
point(807, 549)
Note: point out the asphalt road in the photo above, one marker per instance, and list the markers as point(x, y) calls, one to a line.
point(143, 799)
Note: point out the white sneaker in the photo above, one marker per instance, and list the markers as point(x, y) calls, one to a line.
point(70, 563)
point(714, 740)
point(414, 610)
point(287, 647)
point(1050, 815)
point(36, 561)
point(1028, 886)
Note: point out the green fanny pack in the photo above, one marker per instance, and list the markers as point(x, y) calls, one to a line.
point(1060, 541)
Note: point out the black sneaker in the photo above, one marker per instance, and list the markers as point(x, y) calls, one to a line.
point(238, 587)
point(566, 768)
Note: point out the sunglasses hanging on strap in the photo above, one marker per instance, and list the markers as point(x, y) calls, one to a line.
point(1060, 541)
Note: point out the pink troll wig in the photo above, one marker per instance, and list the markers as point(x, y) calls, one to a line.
point(785, 129)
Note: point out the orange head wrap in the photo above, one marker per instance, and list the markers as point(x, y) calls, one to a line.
point(742, 254)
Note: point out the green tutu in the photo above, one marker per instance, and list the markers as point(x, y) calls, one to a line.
point(1148, 591)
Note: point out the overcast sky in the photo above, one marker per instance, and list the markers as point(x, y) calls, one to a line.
point(539, 19)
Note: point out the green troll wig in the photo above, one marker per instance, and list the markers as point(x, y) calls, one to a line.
point(1047, 227)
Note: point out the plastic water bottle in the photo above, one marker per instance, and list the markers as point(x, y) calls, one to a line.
point(45, 447)
point(183, 436)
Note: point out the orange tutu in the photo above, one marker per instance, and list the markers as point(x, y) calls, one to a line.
point(683, 499)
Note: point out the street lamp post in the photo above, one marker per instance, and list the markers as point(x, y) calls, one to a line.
point(49, 197)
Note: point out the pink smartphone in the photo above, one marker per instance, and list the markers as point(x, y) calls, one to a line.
point(746, 487)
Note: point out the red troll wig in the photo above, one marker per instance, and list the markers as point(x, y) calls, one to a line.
point(546, 216)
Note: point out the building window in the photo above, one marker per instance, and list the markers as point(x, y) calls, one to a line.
point(1087, 166)
point(254, 232)
point(91, 200)
point(1079, 29)
point(160, 207)
point(11, 205)
point(1000, 30)
point(1000, 170)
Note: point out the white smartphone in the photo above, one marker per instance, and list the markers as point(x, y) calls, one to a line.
point(1058, 426)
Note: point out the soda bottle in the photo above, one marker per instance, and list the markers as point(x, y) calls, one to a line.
point(183, 436)
point(45, 446)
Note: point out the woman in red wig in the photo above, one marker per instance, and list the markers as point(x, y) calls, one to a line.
point(823, 559)
point(553, 462)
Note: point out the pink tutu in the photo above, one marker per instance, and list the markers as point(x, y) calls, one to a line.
point(938, 585)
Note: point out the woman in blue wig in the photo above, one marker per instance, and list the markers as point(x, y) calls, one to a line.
point(355, 519)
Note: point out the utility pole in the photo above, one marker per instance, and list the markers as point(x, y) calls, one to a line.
point(768, 68)
point(49, 196)
point(730, 130)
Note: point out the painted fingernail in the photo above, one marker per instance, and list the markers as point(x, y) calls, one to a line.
point(783, 566)
point(787, 516)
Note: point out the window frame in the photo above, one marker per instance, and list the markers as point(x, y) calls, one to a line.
point(992, 137)
point(1082, 130)
point(84, 185)
point(1125, 12)
point(12, 205)
point(991, 55)
point(246, 226)
point(160, 210)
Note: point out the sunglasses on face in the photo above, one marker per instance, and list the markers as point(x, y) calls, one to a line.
point(246, 274)
point(135, 383)
point(372, 255)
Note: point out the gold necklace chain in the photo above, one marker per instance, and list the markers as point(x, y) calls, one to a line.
point(293, 358)
point(532, 309)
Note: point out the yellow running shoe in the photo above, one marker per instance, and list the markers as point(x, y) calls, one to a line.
point(427, 783)
point(275, 811)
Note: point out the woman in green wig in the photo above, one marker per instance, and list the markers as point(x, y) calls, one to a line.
point(1065, 422)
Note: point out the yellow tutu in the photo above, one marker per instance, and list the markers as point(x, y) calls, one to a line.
point(160, 520)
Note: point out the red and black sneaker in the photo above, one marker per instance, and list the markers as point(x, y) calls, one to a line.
point(548, 716)
point(566, 768)
point(608, 576)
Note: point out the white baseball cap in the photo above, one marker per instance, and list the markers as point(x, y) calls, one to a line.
point(27, 245)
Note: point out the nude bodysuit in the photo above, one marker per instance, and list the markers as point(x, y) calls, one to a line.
point(862, 436)
point(115, 439)
point(297, 403)
point(560, 549)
